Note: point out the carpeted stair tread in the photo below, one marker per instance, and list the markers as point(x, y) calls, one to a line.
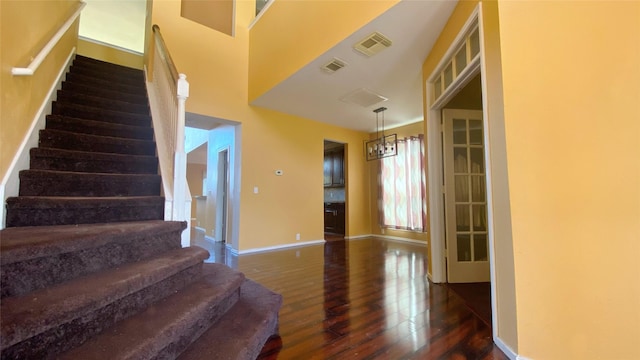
point(107, 66)
point(65, 183)
point(58, 139)
point(97, 114)
point(118, 73)
point(87, 161)
point(101, 102)
point(139, 89)
point(26, 316)
point(242, 332)
point(31, 242)
point(165, 328)
point(39, 256)
point(43, 210)
point(101, 128)
point(105, 93)
point(124, 77)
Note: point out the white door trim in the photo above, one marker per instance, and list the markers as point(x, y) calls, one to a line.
point(222, 202)
point(435, 164)
point(434, 148)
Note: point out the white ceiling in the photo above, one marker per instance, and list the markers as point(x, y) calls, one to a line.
point(395, 73)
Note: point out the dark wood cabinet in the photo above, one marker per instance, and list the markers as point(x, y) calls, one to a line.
point(328, 167)
point(334, 218)
point(334, 167)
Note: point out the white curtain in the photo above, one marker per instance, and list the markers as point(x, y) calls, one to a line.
point(402, 195)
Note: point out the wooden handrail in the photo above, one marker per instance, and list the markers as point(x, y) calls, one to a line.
point(164, 52)
point(35, 63)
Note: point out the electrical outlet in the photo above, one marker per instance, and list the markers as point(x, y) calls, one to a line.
point(298, 236)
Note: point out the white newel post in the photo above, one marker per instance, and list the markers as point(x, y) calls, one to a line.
point(180, 164)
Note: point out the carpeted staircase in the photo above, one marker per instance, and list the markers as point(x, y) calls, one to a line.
point(89, 269)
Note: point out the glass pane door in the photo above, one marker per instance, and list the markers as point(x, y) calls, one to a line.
point(465, 194)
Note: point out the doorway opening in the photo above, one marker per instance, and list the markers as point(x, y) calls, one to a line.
point(465, 199)
point(458, 152)
point(334, 182)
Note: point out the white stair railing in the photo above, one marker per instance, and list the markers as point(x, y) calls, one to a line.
point(168, 91)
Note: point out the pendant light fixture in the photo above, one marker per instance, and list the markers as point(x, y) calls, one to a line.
point(383, 145)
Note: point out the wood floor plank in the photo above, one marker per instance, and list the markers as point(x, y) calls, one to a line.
point(362, 299)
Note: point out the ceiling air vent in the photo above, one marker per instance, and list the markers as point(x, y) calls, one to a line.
point(373, 44)
point(334, 65)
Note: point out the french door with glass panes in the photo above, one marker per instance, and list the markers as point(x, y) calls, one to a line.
point(465, 196)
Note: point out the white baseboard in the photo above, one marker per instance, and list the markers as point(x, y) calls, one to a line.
point(401, 239)
point(106, 44)
point(212, 239)
point(231, 249)
point(507, 350)
point(280, 247)
point(358, 237)
point(386, 237)
point(11, 181)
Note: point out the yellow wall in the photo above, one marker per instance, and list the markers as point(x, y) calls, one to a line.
point(374, 168)
point(285, 205)
point(501, 222)
point(25, 27)
point(217, 73)
point(319, 25)
point(571, 110)
point(293, 203)
point(110, 54)
point(217, 15)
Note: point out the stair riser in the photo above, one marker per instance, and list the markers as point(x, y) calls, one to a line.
point(102, 66)
point(115, 95)
point(98, 164)
point(140, 90)
point(25, 276)
point(102, 103)
point(57, 122)
point(121, 77)
point(62, 338)
point(38, 183)
point(258, 308)
point(79, 142)
point(89, 113)
point(61, 215)
point(198, 325)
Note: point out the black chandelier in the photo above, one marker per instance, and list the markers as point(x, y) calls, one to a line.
point(383, 145)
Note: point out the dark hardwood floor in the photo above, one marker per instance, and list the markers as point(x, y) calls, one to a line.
point(362, 299)
point(477, 296)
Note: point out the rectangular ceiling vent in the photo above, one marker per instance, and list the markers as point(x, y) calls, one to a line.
point(363, 97)
point(373, 44)
point(334, 65)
